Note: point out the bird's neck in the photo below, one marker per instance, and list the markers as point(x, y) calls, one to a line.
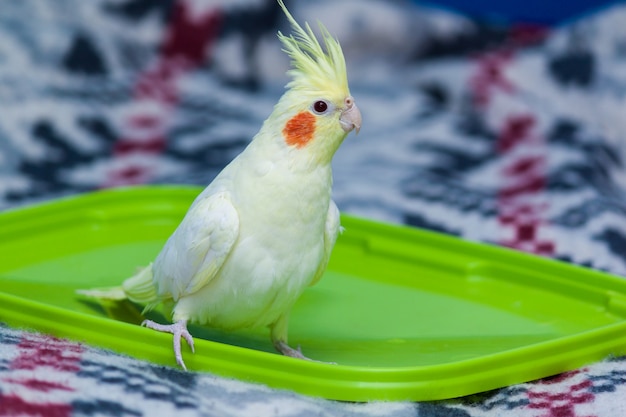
point(276, 191)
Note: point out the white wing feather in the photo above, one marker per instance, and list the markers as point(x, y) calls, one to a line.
point(331, 230)
point(196, 251)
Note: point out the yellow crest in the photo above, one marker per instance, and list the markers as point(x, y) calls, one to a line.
point(312, 67)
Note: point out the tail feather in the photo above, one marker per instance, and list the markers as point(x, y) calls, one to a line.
point(138, 288)
point(111, 293)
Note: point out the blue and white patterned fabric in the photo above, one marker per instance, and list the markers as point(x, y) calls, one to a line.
point(511, 134)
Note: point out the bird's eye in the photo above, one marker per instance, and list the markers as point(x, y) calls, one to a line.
point(320, 106)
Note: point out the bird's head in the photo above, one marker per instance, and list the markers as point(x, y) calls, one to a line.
point(317, 111)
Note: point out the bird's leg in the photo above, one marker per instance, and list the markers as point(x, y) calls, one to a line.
point(287, 350)
point(279, 339)
point(178, 329)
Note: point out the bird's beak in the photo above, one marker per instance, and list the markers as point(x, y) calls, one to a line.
point(350, 116)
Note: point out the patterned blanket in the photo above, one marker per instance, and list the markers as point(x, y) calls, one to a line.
point(512, 134)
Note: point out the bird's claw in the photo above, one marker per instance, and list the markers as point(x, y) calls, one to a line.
point(178, 330)
point(287, 350)
point(293, 353)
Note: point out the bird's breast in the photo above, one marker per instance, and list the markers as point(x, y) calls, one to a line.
point(260, 280)
point(277, 253)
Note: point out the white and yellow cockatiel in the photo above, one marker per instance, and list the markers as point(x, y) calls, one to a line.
point(264, 229)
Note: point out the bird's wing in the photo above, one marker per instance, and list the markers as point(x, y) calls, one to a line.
point(196, 251)
point(331, 231)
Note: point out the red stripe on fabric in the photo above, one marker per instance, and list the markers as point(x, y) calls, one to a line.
point(40, 351)
point(14, 406)
point(524, 34)
point(186, 43)
point(190, 36)
point(152, 145)
point(516, 130)
point(522, 211)
point(521, 147)
point(490, 77)
point(40, 369)
point(559, 396)
point(37, 384)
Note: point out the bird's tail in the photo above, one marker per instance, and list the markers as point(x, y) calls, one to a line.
point(138, 288)
point(109, 293)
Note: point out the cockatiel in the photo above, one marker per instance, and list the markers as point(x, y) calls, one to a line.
point(264, 229)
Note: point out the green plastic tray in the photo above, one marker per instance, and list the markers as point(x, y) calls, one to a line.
point(406, 314)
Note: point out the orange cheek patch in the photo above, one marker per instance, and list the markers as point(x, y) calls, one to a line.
point(300, 129)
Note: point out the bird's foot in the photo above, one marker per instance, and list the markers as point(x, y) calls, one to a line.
point(178, 330)
point(287, 350)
